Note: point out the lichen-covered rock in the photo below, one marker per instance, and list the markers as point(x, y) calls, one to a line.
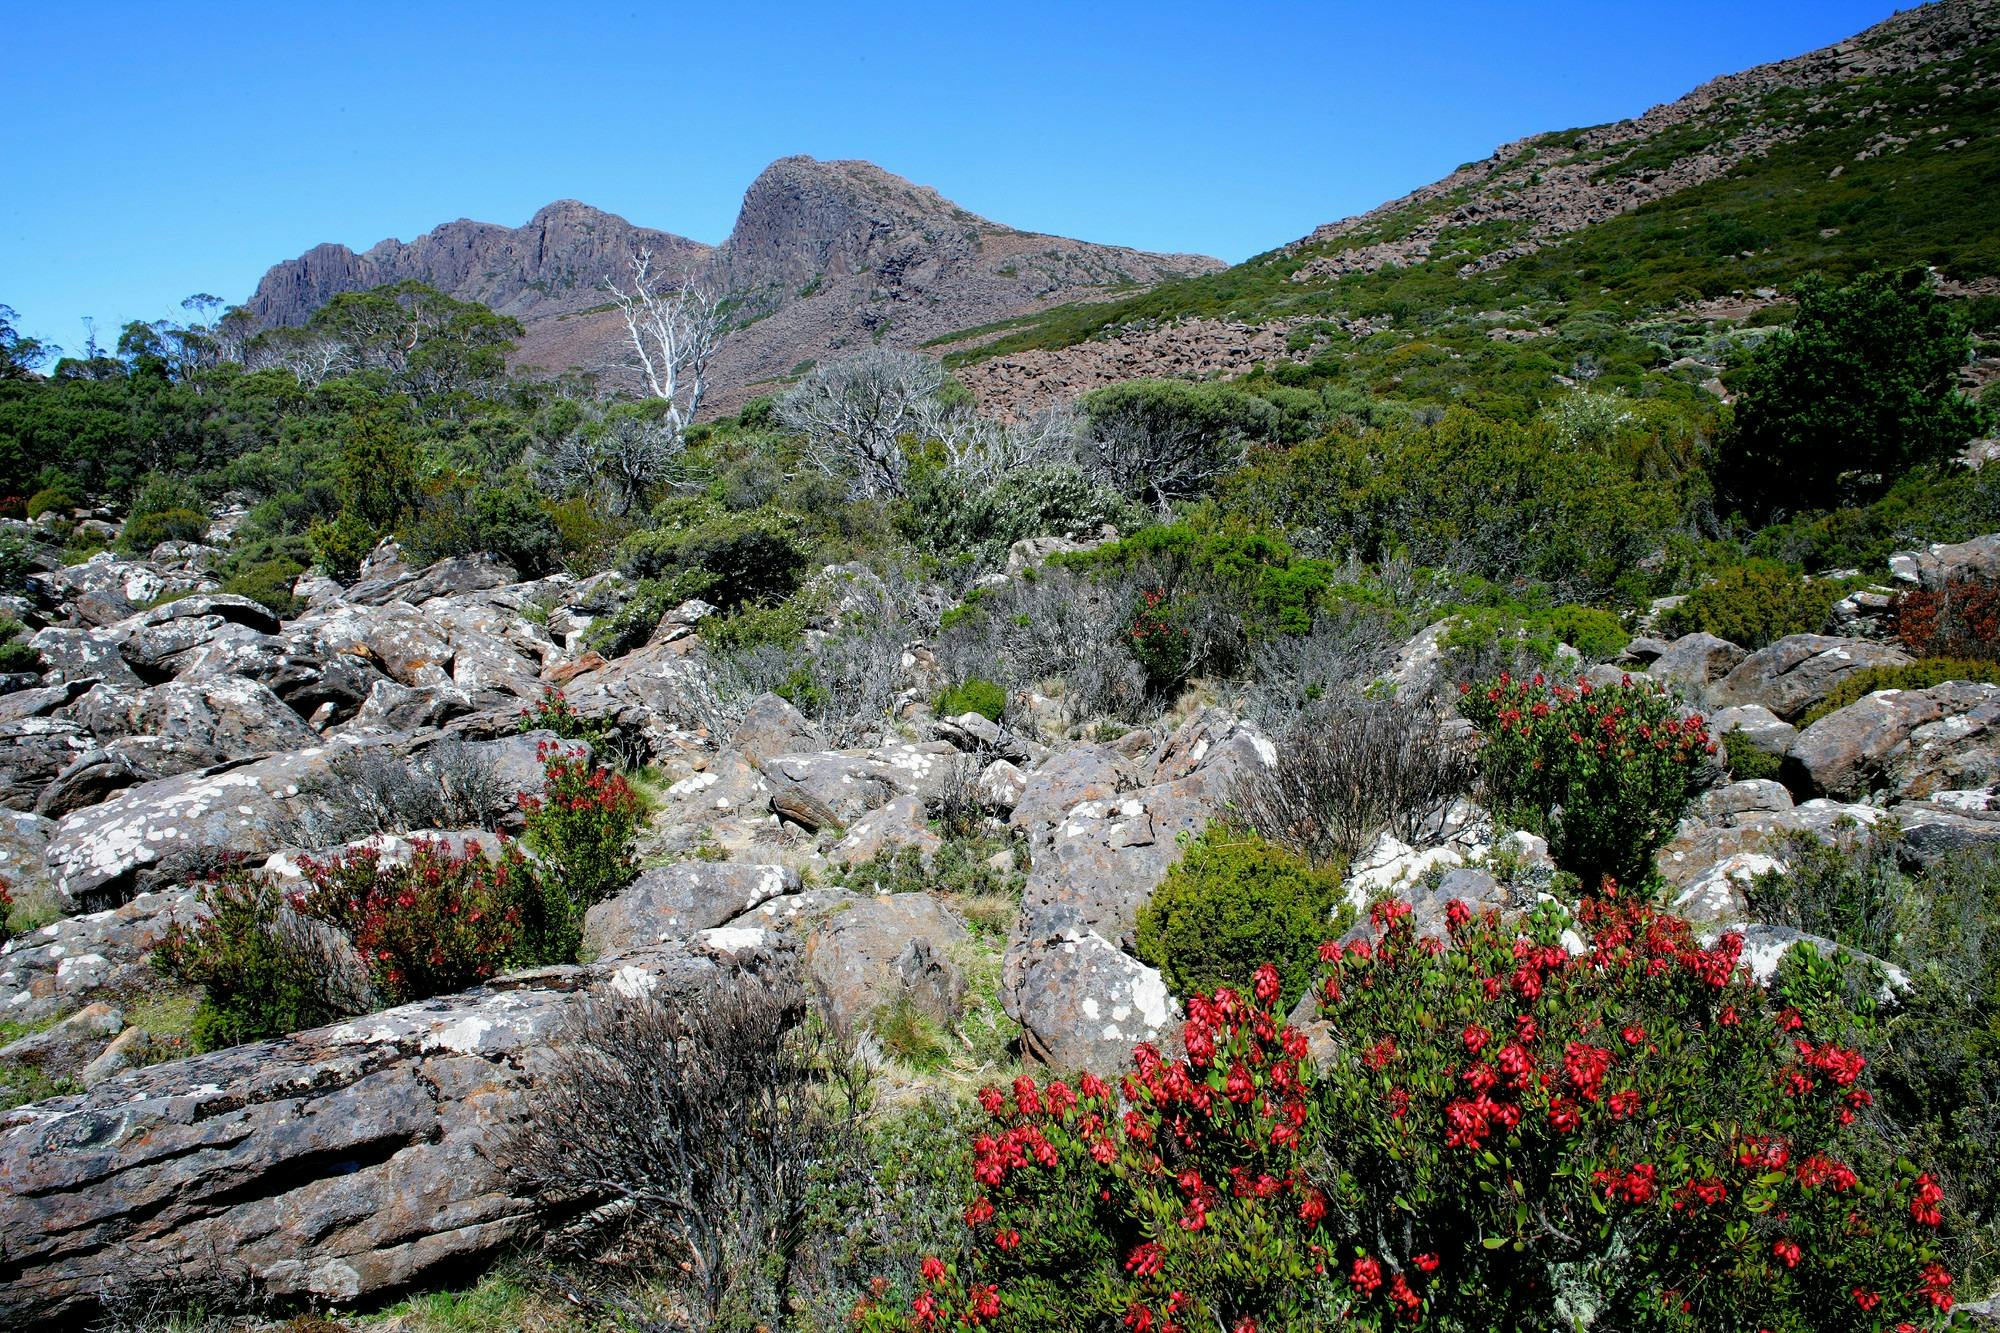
point(1695, 660)
point(902, 822)
point(1938, 564)
point(1790, 676)
point(1081, 1001)
point(1763, 729)
point(874, 951)
point(334, 1164)
point(1912, 742)
point(677, 902)
point(78, 959)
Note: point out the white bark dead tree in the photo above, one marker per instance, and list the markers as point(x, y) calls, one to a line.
point(674, 332)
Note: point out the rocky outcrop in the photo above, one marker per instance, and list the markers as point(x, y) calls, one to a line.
point(680, 901)
point(334, 1164)
point(1790, 676)
point(1103, 824)
point(1911, 743)
point(870, 953)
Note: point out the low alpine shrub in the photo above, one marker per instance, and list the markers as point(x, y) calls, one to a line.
point(1510, 1134)
point(1961, 619)
point(264, 967)
point(1234, 901)
point(1747, 762)
point(974, 696)
point(1754, 604)
point(16, 656)
point(581, 830)
point(1603, 773)
point(1916, 676)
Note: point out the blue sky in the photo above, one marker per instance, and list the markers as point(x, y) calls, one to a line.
point(178, 148)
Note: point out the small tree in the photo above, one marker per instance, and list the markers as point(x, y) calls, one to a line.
point(1858, 391)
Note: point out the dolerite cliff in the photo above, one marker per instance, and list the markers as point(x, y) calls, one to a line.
point(825, 258)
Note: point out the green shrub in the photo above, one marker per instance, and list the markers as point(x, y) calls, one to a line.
point(1920, 675)
point(262, 968)
point(1747, 762)
point(269, 582)
point(16, 656)
point(341, 544)
point(1862, 388)
point(142, 532)
point(1603, 773)
point(53, 498)
point(459, 515)
point(1753, 605)
point(1234, 901)
point(974, 696)
point(1508, 1138)
point(746, 558)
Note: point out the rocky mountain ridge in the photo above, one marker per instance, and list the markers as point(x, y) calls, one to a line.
point(825, 258)
point(1856, 155)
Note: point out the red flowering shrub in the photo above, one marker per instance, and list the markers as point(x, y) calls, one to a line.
point(438, 924)
point(1962, 619)
point(1603, 774)
point(6, 910)
point(1509, 1135)
point(581, 828)
point(554, 712)
point(1160, 641)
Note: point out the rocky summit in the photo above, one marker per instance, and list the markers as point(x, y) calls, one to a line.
point(825, 258)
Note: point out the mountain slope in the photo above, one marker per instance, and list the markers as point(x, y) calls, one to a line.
point(1882, 149)
point(825, 258)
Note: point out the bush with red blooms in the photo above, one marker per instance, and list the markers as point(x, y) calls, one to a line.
point(553, 712)
point(6, 909)
point(581, 828)
point(1961, 619)
point(440, 922)
point(1521, 1128)
point(1161, 643)
point(1604, 773)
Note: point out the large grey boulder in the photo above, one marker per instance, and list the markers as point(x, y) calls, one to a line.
point(677, 902)
point(1912, 742)
point(216, 719)
point(34, 751)
point(1938, 564)
point(872, 952)
point(1765, 730)
point(885, 830)
point(333, 1165)
point(103, 854)
point(459, 574)
point(73, 654)
point(1695, 660)
point(78, 959)
point(1790, 676)
point(1081, 1001)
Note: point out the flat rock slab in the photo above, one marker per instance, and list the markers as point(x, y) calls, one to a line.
point(676, 902)
point(338, 1163)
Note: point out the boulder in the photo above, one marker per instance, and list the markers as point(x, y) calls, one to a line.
point(1790, 676)
point(390, 707)
point(128, 1050)
point(101, 855)
point(78, 959)
point(331, 1165)
point(34, 751)
point(677, 902)
point(1912, 742)
point(876, 951)
point(1081, 1001)
point(900, 823)
point(1000, 787)
point(1695, 660)
point(1938, 564)
point(771, 725)
point(83, 655)
point(68, 1045)
point(1765, 730)
point(24, 839)
point(392, 582)
point(210, 721)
